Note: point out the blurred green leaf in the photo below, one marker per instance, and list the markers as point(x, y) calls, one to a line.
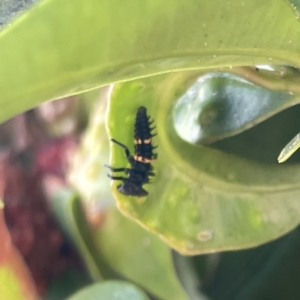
point(15, 279)
point(110, 290)
point(139, 256)
point(71, 216)
point(289, 149)
point(270, 271)
point(38, 64)
point(87, 173)
point(190, 280)
point(201, 200)
point(70, 281)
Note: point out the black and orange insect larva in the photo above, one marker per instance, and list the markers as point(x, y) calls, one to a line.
point(141, 168)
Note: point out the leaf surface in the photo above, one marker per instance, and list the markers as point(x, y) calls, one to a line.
point(60, 48)
point(201, 200)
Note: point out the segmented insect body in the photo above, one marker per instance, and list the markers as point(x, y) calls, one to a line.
point(141, 168)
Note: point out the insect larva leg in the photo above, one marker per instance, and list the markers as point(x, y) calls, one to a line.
point(115, 169)
point(116, 177)
point(127, 152)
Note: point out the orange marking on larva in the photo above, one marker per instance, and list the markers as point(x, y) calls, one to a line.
point(147, 161)
point(139, 141)
point(148, 141)
point(142, 159)
point(138, 158)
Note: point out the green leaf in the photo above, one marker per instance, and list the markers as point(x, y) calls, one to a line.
point(295, 4)
point(188, 276)
point(70, 214)
point(110, 290)
point(201, 200)
point(219, 105)
point(110, 41)
point(289, 149)
point(67, 283)
point(139, 256)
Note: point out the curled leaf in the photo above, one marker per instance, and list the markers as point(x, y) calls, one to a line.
point(201, 200)
point(219, 105)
